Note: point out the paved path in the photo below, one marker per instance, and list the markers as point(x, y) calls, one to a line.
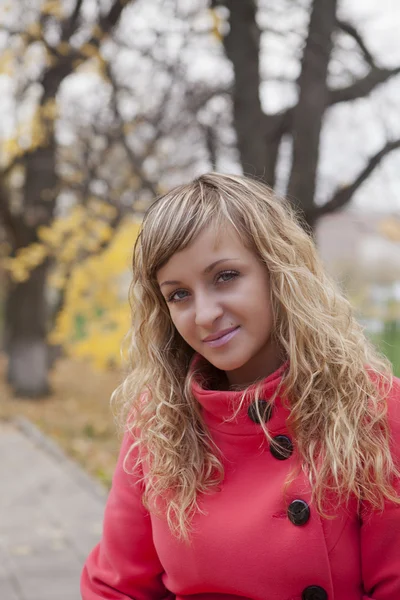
point(50, 517)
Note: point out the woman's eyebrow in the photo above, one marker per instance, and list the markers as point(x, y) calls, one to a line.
point(206, 270)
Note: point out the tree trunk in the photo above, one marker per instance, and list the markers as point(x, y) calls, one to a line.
point(26, 318)
point(258, 135)
point(26, 305)
point(308, 113)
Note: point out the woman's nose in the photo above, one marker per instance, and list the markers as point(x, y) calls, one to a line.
point(207, 311)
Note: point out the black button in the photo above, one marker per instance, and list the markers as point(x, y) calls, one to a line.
point(314, 592)
point(282, 447)
point(299, 512)
point(264, 408)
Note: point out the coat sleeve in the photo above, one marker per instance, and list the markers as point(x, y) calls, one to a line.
point(124, 565)
point(380, 532)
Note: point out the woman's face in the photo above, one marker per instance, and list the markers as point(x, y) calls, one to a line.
point(217, 286)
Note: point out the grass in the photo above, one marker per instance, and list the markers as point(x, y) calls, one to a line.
point(77, 415)
point(389, 344)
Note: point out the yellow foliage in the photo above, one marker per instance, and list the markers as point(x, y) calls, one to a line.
point(96, 313)
point(34, 130)
point(100, 230)
point(89, 50)
point(216, 24)
point(49, 236)
point(6, 63)
point(57, 279)
point(34, 30)
point(66, 240)
point(38, 131)
point(63, 48)
point(102, 209)
point(12, 149)
point(49, 110)
point(25, 260)
point(70, 250)
point(18, 274)
point(32, 255)
point(52, 7)
point(102, 67)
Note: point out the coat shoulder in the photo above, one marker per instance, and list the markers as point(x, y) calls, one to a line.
point(393, 407)
point(393, 399)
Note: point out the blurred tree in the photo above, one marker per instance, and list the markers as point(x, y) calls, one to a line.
point(145, 105)
point(260, 135)
point(109, 146)
point(96, 315)
point(60, 43)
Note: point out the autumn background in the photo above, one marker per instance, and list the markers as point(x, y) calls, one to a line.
point(106, 104)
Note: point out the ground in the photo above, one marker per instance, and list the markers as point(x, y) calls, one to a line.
point(77, 415)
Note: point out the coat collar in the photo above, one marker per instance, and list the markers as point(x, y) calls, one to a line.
point(219, 405)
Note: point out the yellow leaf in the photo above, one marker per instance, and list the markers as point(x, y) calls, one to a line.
point(6, 63)
point(96, 313)
point(48, 236)
point(31, 256)
point(57, 280)
point(89, 50)
point(50, 110)
point(34, 30)
point(12, 149)
point(63, 48)
point(216, 24)
point(18, 273)
point(52, 7)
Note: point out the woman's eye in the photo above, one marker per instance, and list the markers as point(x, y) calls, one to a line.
point(222, 277)
point(229, 275)
point(172, 297)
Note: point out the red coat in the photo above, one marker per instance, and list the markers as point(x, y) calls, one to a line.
point(249, 545)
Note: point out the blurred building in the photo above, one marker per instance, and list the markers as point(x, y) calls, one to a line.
point(364, 244)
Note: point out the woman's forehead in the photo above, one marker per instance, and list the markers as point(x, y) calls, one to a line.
point(212, 244)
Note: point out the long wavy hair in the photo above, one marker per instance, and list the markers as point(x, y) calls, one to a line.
point(335, 382)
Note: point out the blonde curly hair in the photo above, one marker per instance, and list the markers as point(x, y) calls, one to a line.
point(335, 381)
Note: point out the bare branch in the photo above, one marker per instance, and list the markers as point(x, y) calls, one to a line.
point(343, 195)
point(6, 216)
point(64, 66)
point(367, 84)
point(363, 86)
point(135, 160)
point(108, 22)
point(70, 24)
point(352, 31)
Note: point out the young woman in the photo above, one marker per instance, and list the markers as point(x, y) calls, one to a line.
point(262, 447)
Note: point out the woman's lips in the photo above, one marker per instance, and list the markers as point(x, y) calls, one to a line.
point(223, 339)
